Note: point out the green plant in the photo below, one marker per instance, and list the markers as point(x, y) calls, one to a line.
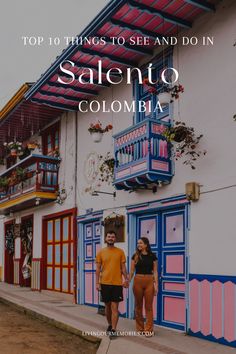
point(21, 174)
point(185, 143)
point(13, 145)
point(106, 168)
point(56, 153)
point(3, 183)
point(173, 90)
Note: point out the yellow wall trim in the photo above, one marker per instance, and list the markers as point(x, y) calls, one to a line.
point(14, 100)
point(26, 197)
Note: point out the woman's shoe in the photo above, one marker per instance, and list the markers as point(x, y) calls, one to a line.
point(109, 328)
point(113, 334)
point(149, 334)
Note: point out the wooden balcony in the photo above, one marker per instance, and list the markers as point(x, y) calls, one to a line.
point(142, 156)
point(38, 186)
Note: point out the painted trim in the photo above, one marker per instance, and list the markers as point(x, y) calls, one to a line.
point(212, 338)
point(13, 102)
point(24, 198)
point(211, 278)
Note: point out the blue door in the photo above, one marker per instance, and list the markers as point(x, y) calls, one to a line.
point(91, 244)
point(167, 235)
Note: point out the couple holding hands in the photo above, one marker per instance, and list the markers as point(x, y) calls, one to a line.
point(111, 266)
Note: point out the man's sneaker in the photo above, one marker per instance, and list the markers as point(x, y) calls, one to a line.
point(113, 334)
point(109, 328)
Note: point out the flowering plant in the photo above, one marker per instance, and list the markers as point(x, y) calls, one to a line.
point(151, 88)
point(106, 168)
point(13, 145)
point(174, 90)
point(33, 145)
point(186, 142)
point(97, 128)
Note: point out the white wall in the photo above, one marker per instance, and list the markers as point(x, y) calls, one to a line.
point(208, 104)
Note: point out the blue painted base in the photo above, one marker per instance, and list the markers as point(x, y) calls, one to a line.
point(212, 338)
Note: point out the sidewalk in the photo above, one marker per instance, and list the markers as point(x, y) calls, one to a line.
point(60, 307)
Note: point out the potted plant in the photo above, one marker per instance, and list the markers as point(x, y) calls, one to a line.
point(96, 131)
point(21, 174)
point(13, 179)
point(106, 168)
point(33, 145)
point(185, 142)
point(15, 147)
point(3, 184)
point(167, 94)
point(25, 153)
point(56, 153)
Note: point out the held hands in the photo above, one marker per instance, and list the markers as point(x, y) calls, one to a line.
point(126, 282)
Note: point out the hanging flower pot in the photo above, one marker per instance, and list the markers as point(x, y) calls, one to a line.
point(97, 137)
point(185, 143)
point(168, 94)
point(14, 147)
point(96, 131)
point(31, 146)
point(13, 152)
point(164, 98)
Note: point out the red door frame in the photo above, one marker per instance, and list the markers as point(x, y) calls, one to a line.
point(50, 131)
point(43, 278)
point(22, 281)
point(8, 259)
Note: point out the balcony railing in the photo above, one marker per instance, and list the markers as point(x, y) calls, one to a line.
point(38, 180)
point(142, 156)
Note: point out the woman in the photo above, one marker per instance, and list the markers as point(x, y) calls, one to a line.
point(144, 264)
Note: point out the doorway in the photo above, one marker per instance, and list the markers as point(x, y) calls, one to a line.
point(167, 233)
point(9, 252)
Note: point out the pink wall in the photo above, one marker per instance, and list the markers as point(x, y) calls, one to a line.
point(212, 308)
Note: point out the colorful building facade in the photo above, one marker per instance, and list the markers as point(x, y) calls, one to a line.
point(193, 237)
point(37, 215)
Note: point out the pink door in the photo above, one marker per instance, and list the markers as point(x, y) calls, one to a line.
point(167, 235)
point(173, 270)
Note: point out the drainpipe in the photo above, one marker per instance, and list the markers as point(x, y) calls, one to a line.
point(76, 156)
point(75, 205)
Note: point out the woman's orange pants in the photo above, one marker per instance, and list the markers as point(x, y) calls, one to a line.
point(143, 289)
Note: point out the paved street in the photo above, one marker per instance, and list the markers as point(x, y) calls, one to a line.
point(60, 307)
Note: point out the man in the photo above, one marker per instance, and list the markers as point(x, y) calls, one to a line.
point(110, 267)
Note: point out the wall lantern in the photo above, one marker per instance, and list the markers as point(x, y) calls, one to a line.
point(192, 190)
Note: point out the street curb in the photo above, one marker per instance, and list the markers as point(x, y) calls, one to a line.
point(55, 323)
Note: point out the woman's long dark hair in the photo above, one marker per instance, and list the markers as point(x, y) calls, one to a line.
point(138, 255)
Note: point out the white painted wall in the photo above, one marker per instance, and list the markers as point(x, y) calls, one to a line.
point(208, 104)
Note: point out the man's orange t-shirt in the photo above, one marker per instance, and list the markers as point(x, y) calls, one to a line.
point(111, 259)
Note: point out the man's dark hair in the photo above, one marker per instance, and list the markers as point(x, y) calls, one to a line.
point(110, 232)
